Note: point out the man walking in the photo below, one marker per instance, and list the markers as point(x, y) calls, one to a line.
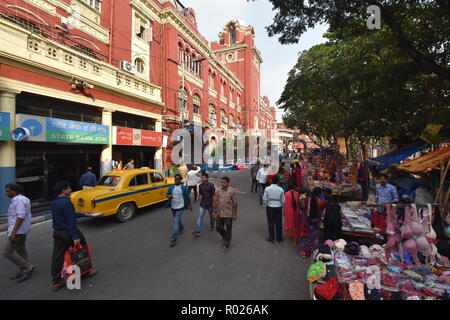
point(19, 224)
point(88, 180)
point(207, 191)
point(191, 181)
point(179, 200)
point(225, 206)
point(65, 231)
point(261, 176)
point(253, 172)
point(274, 201)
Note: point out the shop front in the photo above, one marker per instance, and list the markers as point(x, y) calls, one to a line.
point(137, 144)
point(56, 150)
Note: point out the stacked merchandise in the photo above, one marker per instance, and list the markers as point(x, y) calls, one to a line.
point(355, 272)
point(345, 188)
point(357, 219)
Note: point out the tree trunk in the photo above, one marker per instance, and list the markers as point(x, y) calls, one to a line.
point(347, 148)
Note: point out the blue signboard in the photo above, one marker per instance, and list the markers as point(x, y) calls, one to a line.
point(64, 131)
point(5, 121)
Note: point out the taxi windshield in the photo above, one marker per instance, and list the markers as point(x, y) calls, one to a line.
point(109, 181)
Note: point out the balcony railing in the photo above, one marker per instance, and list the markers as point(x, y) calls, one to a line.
point(49, 32)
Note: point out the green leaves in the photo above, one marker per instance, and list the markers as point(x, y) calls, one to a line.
point(364, 87)
point(421, 28)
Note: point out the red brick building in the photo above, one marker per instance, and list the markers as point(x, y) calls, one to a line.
point(99, 82)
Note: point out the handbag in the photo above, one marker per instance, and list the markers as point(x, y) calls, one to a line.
point(79, 256)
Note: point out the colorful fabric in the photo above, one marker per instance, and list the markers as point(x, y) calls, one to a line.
point(298, 177)
point(316, 271)
point(356, 289)
point(328, 290)
point(310, 242)
point(291, 215)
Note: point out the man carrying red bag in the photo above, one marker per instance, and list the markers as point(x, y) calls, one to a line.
point(66, 233)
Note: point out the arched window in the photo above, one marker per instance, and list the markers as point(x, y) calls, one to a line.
point(140, 65)
point(223, 117)
point(196, 99)
point(231, 120)
point(212, 114)
point(182, 99)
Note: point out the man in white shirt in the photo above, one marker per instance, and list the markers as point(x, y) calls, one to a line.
point(192, 180)
point(179, 200)
point(261, 176)
point(19, 224)
point(274, 201)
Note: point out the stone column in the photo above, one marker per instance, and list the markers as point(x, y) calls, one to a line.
point(7, 150)
point(106, 158)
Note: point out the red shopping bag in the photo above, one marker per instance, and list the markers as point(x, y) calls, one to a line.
point(79, 256)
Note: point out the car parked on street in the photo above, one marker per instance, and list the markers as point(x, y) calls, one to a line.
point(121, 192)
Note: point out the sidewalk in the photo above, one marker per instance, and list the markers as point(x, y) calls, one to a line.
point(34, 220)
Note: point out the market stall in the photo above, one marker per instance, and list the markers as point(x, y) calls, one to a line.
point(345, 190)
point(356, 222)
point(407, 267)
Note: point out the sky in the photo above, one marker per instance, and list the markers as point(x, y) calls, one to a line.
point(212, 15)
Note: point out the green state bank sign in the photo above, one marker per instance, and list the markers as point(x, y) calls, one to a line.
point(5, 121)
point(64, 131)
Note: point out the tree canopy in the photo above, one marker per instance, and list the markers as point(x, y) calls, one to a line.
point(421, 28)
point(367, 83)
point(365, 87)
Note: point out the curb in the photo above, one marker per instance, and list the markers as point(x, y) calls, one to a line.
point(41, 218)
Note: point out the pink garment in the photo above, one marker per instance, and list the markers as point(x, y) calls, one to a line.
point(298, 177)
point(291, 215)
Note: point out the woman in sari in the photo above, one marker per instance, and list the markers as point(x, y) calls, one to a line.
point(283, 180)
point(292, 213)
point(311, 214)
point(298, 175)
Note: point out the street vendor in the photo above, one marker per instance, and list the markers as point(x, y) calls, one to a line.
point(386, 193)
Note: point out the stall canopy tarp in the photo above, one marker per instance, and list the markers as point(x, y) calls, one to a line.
point(397, 155)
point(427, 162)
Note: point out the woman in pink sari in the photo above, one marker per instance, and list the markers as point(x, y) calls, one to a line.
point(292, 214)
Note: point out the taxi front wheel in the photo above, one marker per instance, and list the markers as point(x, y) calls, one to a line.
point(126, 212)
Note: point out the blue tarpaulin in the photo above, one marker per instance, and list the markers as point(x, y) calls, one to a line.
point(397, 155)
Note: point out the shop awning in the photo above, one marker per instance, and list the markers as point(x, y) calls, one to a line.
point(397, 155)
point(427, 162)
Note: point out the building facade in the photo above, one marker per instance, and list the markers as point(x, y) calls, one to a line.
point(96, 83)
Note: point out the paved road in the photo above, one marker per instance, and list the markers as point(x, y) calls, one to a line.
point(135, 262)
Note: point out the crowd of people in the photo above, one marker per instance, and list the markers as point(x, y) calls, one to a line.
point(65, 232)
point(285, 194)
point(220, 203)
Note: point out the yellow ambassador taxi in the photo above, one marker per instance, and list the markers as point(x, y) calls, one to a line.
point(121, 192)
